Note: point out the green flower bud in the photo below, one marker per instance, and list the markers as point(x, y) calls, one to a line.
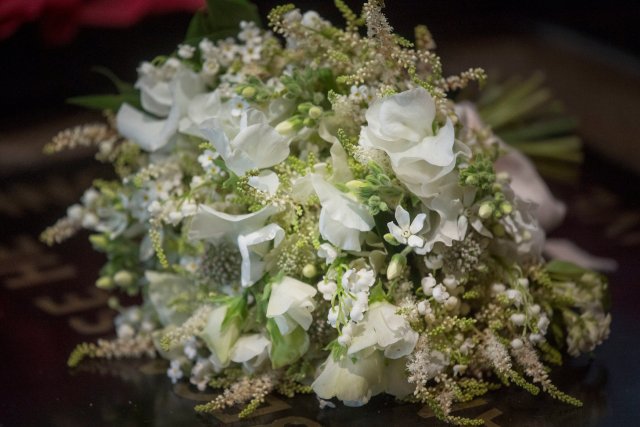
point(390, 239)
point(305, 107)
point(506, 208)
point(396, 266)
point(248, 92)
point(498, 230)
point(104, 282)
point(471, 180)
point(315, 112)
point(486, 210)
point(123, 278)
point(99, 241)
point(355, 185)
point(309, 271)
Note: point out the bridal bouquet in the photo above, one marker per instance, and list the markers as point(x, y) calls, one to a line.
point(307, 210)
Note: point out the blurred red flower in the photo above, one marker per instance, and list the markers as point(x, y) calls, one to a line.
point(60, 19)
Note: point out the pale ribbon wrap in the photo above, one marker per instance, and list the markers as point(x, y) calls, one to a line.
point(527, 183)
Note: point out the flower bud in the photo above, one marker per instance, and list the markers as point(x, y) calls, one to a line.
point(355, 184)
point(518, 319)
point(517, 344)
point(428, 283)
point(309, 271)
point(506, 208)
point(485, 211)
point(450, 282)
point(423, 307)
point(390, 239)
point(451, 303)
point(498, 230)
point(123, 278)
point(248, 92)
point(104, 282)
point(304, 107)
point(396, 266)
point(315, 112)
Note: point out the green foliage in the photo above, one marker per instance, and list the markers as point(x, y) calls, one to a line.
point(236, 311)
point(286, 349)
point(221, 19)
point(126, 93)
point(479, 174)
point(524, 114)
point(81, 352)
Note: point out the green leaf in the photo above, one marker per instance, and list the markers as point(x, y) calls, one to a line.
point(377, 293)
point(221, 19)
point(106, 102)
point(236, 311)
point(286, 349)
point(564, 269)
point(122, 86)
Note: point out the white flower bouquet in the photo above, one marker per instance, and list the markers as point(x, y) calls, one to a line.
point(307, 210)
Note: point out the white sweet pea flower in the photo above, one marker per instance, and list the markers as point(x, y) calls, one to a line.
point(251, 350)
point(401, 125)
point(209, 223)
point(252, 143)
point(247, 231)
point(290, 304)
point(151, 133)
point(253, 247)
point(383, 329)
point(354, 382)
point(405, 232)
point(342, 219)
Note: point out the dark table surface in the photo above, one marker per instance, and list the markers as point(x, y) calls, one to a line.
point(48, 302)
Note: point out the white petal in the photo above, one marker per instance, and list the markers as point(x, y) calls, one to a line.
point(418, 223)
point(529, 186)
point(415, 241)
point(396, 232)
point(252, 267)
point(249, 346)
point(352, 382)
point(149, 133)
point(286, 293)
point(209, 223)
point(266, 181)
point(402, 217)
point(407, 115)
